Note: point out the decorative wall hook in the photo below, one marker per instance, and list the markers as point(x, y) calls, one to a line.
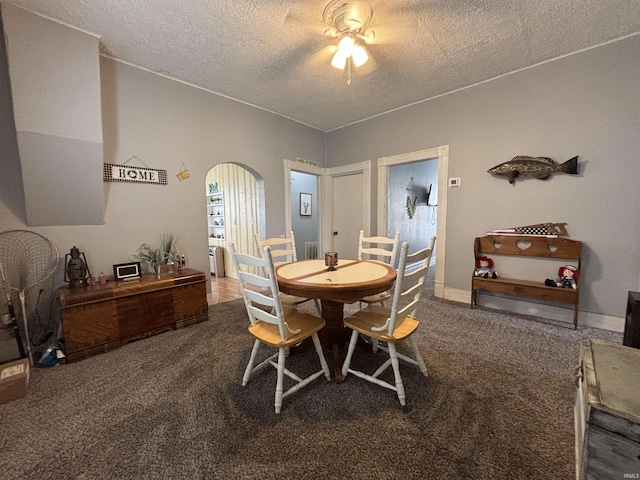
point(412, 198)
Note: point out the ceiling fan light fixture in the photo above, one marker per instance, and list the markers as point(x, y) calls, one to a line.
point(339, 60)
point(349, 19)
point(359, 56)
point(346, 46)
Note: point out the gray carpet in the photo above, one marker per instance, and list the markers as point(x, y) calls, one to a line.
point(498, 404)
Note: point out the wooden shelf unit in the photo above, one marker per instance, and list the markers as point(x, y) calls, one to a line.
point(100, 318)
point(215, 217)
point(538, 247)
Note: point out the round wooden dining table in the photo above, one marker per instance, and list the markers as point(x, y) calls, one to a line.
point(350, 281)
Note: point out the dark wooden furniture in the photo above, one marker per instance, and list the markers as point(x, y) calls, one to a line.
point(607, 411)
point(351, 281)
point(538, 247)
point(632, 322)
point(100, 318)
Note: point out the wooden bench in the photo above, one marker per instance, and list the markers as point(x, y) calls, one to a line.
point(536, 247)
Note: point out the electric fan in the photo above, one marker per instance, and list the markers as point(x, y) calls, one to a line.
point(27, 259)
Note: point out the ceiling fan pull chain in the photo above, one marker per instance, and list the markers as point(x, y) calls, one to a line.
point(349, 71)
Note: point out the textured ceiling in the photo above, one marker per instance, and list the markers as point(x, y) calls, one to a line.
point(269, 53)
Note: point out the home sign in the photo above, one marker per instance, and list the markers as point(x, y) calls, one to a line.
point(124, 173)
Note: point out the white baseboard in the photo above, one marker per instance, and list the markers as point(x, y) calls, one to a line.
point(456, 295)
point(562, 314)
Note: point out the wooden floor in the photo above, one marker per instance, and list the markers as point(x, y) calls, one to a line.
point(224, 289)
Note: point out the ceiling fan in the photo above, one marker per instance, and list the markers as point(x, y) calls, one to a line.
point(349, 21)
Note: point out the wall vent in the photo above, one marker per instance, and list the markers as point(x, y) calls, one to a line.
point(310, 250)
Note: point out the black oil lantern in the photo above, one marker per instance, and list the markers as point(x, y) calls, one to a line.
point(76, 270)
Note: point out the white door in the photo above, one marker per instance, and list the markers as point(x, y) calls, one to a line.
point(348, 214)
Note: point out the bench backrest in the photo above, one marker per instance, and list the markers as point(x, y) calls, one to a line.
point(526, 246)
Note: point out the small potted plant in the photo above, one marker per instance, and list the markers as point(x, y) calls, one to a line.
point(152, 259)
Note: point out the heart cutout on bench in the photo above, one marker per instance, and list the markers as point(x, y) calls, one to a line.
point(552, 248)
point(523, 244)
point(497, 245)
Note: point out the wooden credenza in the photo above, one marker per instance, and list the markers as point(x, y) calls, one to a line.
point(100, 318)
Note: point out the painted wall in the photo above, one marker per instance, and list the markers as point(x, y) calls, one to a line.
point(55, 85)
point(587, 104)
point(165, 123)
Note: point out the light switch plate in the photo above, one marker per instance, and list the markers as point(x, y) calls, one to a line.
point(454, 182)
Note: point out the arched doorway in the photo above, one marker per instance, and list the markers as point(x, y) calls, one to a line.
point(235, 209)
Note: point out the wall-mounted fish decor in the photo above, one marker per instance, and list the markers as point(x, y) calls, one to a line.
point(533, 167)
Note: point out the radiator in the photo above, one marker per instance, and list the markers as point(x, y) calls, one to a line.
point(310, 250)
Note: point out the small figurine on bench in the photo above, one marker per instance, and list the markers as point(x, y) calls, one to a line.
point(484, 268)
point(567, 278)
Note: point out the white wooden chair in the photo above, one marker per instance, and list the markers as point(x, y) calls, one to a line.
point(283, 250)
point(392, 325)
point(281, 329)
point(382, 249)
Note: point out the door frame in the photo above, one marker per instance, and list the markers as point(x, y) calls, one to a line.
point(325, 195)
point(442, 154)
point(311, 169)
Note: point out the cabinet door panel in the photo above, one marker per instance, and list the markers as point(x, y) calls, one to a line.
point(190, 301)
point(87, 326)
point(145, 314)
point(609, 456)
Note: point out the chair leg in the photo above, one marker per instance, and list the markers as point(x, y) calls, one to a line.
point(279, 384)
point(352, 347)
point(396, 372)
point(323, 361)
point(417, 356)
point(252, 360)
point(316, 302)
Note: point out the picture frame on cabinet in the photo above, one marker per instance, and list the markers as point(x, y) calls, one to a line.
point(126, 271)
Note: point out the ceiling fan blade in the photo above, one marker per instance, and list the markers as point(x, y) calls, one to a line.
point(296, 21)
point(386, 34)
point(358, 14)
point(369, 67)
point(322, 57)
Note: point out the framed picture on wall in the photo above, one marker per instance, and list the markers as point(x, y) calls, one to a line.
point(305, 204)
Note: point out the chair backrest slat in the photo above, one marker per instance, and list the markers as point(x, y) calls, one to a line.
point(253, 279)
point(282, 249)
point(407, 308)
point(260, 314)
point(260, 298)
point(409, 283)
point(378, 248)
point(269, 297)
